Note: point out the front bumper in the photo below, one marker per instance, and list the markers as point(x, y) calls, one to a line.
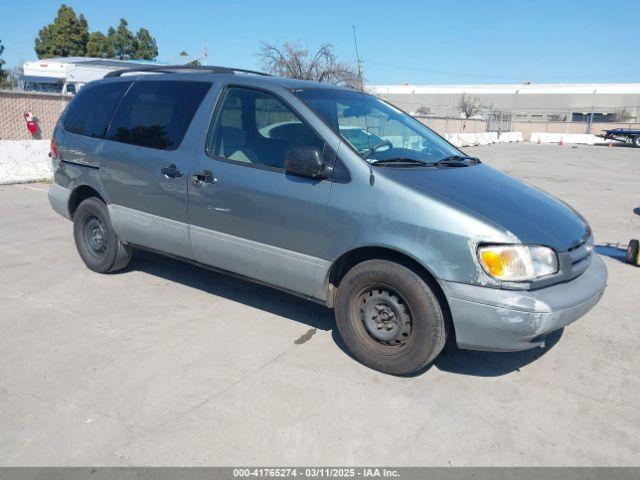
point(510, 320)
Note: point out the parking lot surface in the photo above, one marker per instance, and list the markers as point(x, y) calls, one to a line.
point(169, 364)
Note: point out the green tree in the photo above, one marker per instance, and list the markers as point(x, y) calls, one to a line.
point(99, 46)
point(146, 47)
point(122, 41)
point(67, 36)
point(3, 73)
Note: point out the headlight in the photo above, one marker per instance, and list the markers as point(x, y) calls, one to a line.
point(516, 263)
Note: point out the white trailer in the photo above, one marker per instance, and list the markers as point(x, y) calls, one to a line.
point(67, 75)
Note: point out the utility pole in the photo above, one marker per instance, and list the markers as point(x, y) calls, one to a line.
point(205, 53)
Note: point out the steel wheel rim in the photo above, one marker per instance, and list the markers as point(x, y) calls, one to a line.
point(94, 236)
point(384, 319)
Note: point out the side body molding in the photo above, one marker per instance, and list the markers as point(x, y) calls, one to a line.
point(294, 271)
point(151, 231)
point(282, 268)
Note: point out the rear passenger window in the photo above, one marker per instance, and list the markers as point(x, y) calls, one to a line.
point(92, 108)
point(157, 114)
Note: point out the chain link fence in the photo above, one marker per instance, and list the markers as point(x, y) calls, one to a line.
point(447, 119)
point(444, 119)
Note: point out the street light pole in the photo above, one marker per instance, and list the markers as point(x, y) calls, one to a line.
point(593, 99)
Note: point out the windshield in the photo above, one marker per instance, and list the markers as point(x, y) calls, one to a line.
point(376, 130)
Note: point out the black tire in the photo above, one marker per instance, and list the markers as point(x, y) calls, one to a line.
point(380, 298)
point(636, 141)
point(632, 252)
point(97, 243)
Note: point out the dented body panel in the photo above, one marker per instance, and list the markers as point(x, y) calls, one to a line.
point(508, 320)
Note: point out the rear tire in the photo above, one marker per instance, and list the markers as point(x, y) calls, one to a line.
point(389, 318)
point(636, 141)
point(96, 241)
point(632, 252)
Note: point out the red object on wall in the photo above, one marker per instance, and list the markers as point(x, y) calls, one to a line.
point(32, 125)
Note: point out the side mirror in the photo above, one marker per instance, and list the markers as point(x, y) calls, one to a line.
point(306, 162)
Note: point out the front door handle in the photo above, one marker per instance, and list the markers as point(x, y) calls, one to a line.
point(205, 176)
point(171, 171)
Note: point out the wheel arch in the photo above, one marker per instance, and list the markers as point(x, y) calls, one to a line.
point(351, 258)
point(81, 193)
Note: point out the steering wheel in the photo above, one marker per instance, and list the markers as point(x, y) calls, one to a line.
point(375, 148)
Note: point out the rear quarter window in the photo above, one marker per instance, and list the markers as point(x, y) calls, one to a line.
point(157, 114)
point(90, 111)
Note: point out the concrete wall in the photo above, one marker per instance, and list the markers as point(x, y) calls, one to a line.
point(24, 161)
point(45, 107)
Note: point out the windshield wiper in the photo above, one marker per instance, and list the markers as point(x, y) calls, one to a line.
point(456, 160)
point(396, 160)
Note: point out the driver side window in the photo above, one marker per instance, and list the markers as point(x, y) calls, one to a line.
point(256, 128)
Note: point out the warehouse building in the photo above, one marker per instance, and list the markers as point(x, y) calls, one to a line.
point(602, 102)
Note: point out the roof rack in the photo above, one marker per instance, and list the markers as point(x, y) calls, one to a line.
point(175, 68)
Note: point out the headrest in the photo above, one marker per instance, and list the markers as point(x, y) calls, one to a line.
point(293, 133)
point(231, 137)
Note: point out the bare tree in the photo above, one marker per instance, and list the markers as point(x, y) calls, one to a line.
point(292, 60)
point(469, 105)
point(623, 115)
point(423, 111)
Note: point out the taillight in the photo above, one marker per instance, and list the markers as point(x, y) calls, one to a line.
point(54, 149)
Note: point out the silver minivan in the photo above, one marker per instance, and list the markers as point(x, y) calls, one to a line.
point(330, 194)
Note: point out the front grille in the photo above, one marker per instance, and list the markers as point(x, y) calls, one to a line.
point(580, 256)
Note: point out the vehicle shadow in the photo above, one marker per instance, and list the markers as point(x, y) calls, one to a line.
point(615, 144)
point(473, 363)
point(490, 364)
point(234, 289)
point(612, 250)
point(452, 359)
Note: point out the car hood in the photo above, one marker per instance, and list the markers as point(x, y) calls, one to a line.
point(531, 215)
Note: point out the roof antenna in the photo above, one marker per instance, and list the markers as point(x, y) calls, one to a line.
point(372, 177)
point(355, 41)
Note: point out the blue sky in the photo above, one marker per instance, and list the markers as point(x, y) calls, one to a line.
point(400, 41)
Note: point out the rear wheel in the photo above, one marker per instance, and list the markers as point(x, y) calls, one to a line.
point(632, 252)
point(97, 243)
point(389, 318)
point(636, 141)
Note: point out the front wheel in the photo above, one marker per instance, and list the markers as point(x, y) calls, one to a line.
point(389, 317)
point(96, 241)
point(636, 141)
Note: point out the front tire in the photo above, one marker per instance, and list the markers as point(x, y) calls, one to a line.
point(636, 141)
point(389, 317)
point(96, 241)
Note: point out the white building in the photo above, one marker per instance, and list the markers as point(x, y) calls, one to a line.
point(548, 102)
